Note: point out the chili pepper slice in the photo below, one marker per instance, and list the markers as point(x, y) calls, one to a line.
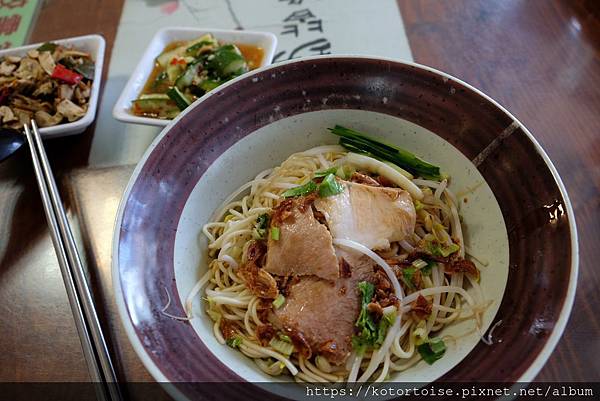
point(62, 73)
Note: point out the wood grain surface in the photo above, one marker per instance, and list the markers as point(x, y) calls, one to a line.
point(540, 59)
point(39, 341)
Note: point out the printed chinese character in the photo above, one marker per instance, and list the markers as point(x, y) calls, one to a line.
point(290, 28)
point(9, 24)
point(314, 47)
point(315, 25)
point(300, 15)
point(12, 3)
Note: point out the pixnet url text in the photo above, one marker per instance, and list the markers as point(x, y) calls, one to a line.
point(368, 391)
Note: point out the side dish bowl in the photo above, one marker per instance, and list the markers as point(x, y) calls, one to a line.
point(515, 206)
point(122, 109)
point(92, 44)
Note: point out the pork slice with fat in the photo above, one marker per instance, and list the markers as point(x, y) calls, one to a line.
point(304, 246)
point(372, 216)
point(323, 313)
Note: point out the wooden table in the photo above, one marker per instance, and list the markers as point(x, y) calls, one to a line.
point(540, 59)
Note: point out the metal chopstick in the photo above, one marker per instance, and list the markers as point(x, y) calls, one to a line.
point(94, 346)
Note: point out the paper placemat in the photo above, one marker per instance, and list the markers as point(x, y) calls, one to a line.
point(303, 28)
point(16, 17)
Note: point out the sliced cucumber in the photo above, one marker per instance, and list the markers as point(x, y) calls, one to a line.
point(209, 84)
point(179, 98)
point(173, 71)
point(230, 48)
point(227, 61)
point(160, 79)
point(236, 67)
point(157, 106)
point(153, 96)
point(185, 79)
point(165, 57)
point(201, 47)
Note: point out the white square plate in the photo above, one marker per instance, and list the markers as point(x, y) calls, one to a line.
point(122, 109)
point(93, 44)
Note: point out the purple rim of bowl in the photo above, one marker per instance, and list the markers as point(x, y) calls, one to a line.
point(532, 198)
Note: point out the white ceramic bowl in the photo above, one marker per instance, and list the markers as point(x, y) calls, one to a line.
point(93, 44)
point(527, 238)
point(139, 77)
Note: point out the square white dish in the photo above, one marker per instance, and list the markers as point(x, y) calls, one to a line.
point(93, 44)
point(137, 80)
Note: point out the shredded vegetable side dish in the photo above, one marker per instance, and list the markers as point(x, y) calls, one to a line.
point(342, 264)
point(52, 84)
point(187, 70)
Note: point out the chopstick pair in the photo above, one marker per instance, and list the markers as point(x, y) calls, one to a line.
point(88, 326)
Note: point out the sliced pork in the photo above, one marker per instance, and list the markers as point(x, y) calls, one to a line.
point(304, 246)
point(372, 216)
point(323, 313)
point(320, 282)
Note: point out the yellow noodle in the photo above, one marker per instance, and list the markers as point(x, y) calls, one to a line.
point(235, 226)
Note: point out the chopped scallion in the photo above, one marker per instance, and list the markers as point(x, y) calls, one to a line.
point(213, 315)
point(332, 170)
point(234, 342)
point(426, 271)
point(305, 189)
point(418, 205)
point(436, 249)
point(433, 350)
point(275, 233)
point(450, 249)
point(281, 346)
point(419, 263)
point(330, 186)
point(262, 222)
point(407, 276)
point(385, 323)
point(345, 172)
point(279, 301)
point(420, 333)
point(437, 345)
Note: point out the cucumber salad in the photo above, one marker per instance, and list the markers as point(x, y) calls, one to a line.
point(187, 70)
